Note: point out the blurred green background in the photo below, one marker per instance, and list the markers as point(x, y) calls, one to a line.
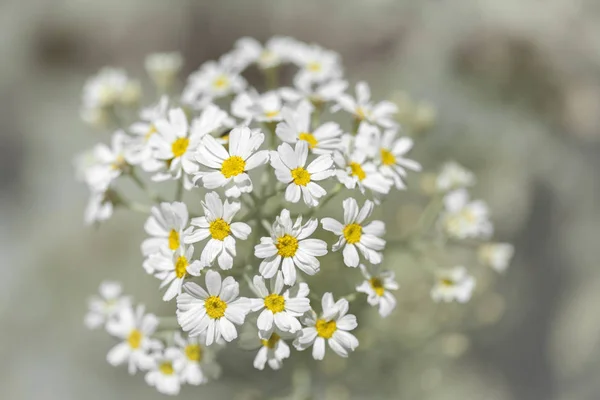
point(517, 87)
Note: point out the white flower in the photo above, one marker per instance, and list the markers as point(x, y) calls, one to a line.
point(463, 219)
point(377, 288)
point(217, 224)
point(110, 163)
point(289, 165)
point(496, 255)
point(332, 326)
point(104, 307)
point(354, 235)
point(213, 80)
point(290, 242)
point(453, 284)
point(99, 208)
point(272, 350)
point(296, 126)
point(250, 106)
point(316, 64)
point(163, 68)
point(454, 176)
point(279, 310)
point(276, 51)
point(214, 312)
point(390, 157)
point(228, 167)
point(316, 93)
point(166, 225)
point(197, 362)
point(363, 109)
point(135, 329)
point(109, 87)
point(140, 152)
point(172, 268)
point(166, 373)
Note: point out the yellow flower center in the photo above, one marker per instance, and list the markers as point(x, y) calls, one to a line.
point(180, 266)
point(271, 114)
point(179, 147)
point(215, 307)
point(361, 113)
point(314, 66)
point(308, 138)
point(151, 131)
point(275, 303)
point(387, 158)
point(271, 342)
point(219, 229)
point(221, 82)
point(135, 339)
point(173, 239)
point(325, 329)
point(193, 352)
point(352, 233)
point(287, 246)
point(300, 176)
point(233, 166)
point(447, 282)
point(357, 171)
point(377, 286)
point(119, 163)
point(166, 368)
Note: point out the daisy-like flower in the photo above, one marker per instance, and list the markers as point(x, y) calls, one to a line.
point(355, 236)
point(377, 288)
point(272, 350)
point(213, 80)
point(364, 110)
point(296, 126)
point(109, 163)
point(332, 326)
point(100, 208)
point(109, 87)
point(163, 68)
point(454, 284)
point(104, 307)
point(289, 164)
point(290, 244)
point(135, 329)
point(390, 157)
point(279, 310)
point(316, 93)
point(229, 167)
point(214, 311)
point(316, 64)
point(496, 255)
point(217, 224)
point(173, 267)
point(276, 51)
point(197, 362)
point(264, 107)
point(167, 227)
point(463, 218)
point(354, 170)
point(454, 176)
point(166, 373)
point(140, 152)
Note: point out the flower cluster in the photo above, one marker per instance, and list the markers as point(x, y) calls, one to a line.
point(237, 245)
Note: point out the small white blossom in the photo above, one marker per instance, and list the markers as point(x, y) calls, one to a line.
point(166, 373)
point(316, 64)
point(197, 362)
point(104, 307)
point(454, 176)
point(453, 285)
point(276, 51)
point(99, 208)
point(163, 68)
point(173, 267)
point(363, 109)
point(316, 93)
point(214, 310)
point(496, 255)
point(229, 167)
point(463, 218)
point(355, 236)
point(289, 164)
point(272, 350)
point(110, 87)
point(250, 106)
point(390, 157)
point(377, 288)
point(212, 81)
point(167, 227)
point(217, 223)
point(109, 163)
point(290, 245)
point(333, 326)
point(140, 152)
point(279, 310)
point(135, 329)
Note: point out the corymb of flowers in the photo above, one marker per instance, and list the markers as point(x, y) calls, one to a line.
point(239, 245)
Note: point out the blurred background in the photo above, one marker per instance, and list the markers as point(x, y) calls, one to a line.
point(516, 85)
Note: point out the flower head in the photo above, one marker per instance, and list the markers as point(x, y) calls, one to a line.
point(377, 287)
point(453, 285)
point(106, 306)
